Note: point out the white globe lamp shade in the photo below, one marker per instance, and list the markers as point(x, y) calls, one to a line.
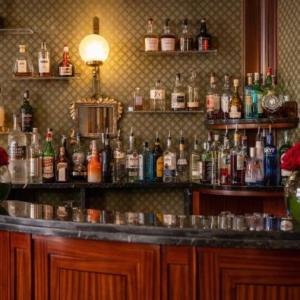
point(93, 48)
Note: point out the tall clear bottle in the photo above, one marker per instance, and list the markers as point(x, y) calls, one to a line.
point(94, 166)
point(248, 104)
point(119, 173)
point(236, 106)
point(79, 168)
point(195, 162)
point(17, 153)
point(206, 164)
point(132, 161)
point(225, 98)
point(35, 158)
point(48, 158)
point(257, 97)
point(193, 93)
point(149, 172)
point(215, 160)
point(178, 101)
point(44, 61)
point(107, 159)
point(225, 162)
point(158, 160)
point(251, 168)
point(151, 39)
point(158, 97)
point(182, 162)
point(169, 162)
point(26, 114)
point(186, 39)
point(213, 99)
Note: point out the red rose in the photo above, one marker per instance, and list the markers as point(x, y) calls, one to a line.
point(291, 159)
point(3, 157)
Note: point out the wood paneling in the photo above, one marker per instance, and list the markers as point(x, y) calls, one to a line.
point(178, 273)
point(75, 269)
point(249, 274)
point(4, 266)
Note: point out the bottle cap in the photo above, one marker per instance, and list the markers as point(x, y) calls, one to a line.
point(252, 152)
point(236, 82)
point(66, 49)
point(22, 48)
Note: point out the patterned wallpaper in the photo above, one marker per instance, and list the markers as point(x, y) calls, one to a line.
point(123, 24)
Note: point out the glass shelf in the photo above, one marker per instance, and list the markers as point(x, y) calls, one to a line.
point(36, 77)
point(185, 112)
point(16, 31)
point(177, 52)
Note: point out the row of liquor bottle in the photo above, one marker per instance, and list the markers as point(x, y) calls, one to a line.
point(217, 163)
point(168, 41)
point(23, 64)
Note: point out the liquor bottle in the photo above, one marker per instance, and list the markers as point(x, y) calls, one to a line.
point(178, 95)
point(44, 61)
point(158, 160)
point(149, 172)
point(167, 39)
point(268, 80)
point(248, 104)
point(235, 106)
point(225, 98)
point(225, 162)
point(48, 158)
point(182, 162)
point(237, 167)
point(94, 171)
point(215, 160)
point(206, 163)
point(107, 160)
point(35, 158)
point(151, 39)
point(26, 114)
point(193, 100)
point(251, 168)
point(66, 67)
point(138, 99)
point(169, 158)
point(195, 163)
point(142, 162)
point(290, 107)
point(17, 153)
point(158, 97)
point(257, 97)
point(203, 38)
point(212, 99)
point(132, 161)
point(62, 166)
point(119, 173)
point(270, 161)
point(23, 64)
point(284, 174)
point(259, 150)
point(79, 168)
point(186, 39)
point(2, 112)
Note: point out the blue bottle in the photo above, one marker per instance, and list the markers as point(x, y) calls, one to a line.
point(270, 161)
point(148, 159)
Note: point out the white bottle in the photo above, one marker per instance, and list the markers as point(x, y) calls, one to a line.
point(35, 158)
point(44, 61)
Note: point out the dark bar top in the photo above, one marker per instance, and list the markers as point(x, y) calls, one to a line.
point(153, 235)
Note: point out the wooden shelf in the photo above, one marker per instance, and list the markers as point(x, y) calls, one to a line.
point(177, 52)
point(276, 123)
point(16, 31)
point(36, 77)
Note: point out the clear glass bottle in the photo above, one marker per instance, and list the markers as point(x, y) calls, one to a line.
point(178, 95)
point(138, 100)
point(186, 39)
point(94, 166)
point(17, 153)
point(142, 162)
point(119, 161)
point(169, 158)
point(44, 61)
point(62, 166)
point(23, 66)
point(35, 158)
point(215, 160)
point(48, 159)
point(66, 67)
point(251, 168)
point(107, 159)
point(2, 112)
point(26, 114)
point(193, 98)
point(151, 39)
point(237, 161)
point(248, 104)
point(132, 161)
point(206, 164)
point(79, 168)
point(213, 104)
point(225, 162)
point(285, 146)
point(158, 97)
point(225, 98)
point(182, 162)
point(259, 150)
point(167, 39)
point(195, 163)
point(257, 97)
point(203, 38)
point(236, 107)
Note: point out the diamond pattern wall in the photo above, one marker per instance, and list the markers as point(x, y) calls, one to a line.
point(123, 24)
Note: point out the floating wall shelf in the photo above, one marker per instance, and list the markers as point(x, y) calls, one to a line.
point(174, 53)
point(16, 31)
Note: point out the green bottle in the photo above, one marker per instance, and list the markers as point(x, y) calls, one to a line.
point(257, 97)
point(284, 174)
point(48, 159)
point(26, 114)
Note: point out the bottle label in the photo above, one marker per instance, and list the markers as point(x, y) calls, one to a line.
point(157, 94)
point(259, 103)
point(62, 171)
point(234, 113)
point(66, 70)
point(138, 100)
point(119, 155)
point(44, 65)
point(132, 161)
point(170, 161)
point(240, 163)
point(210, 103)
point(178, 100)
point(159, 166)
point(141, 167)
point(203, 43)
point(48, 167)
point(78, 159)
point(34, 167)
point(151, 44)
point(21, 66)
point(26, 121)
point(16, 152)
point(167, 44)
point(248, 100)
point(193, 104)
point(225, 100)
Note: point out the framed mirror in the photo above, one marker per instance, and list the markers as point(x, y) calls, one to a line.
point(93, 116)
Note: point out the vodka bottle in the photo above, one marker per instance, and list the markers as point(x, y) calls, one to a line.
point(169, 162)
point(182, 162)
point(132, 160)
point(35, 158)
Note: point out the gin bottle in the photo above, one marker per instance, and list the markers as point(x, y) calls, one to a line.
point(17, 153)
point(186, 39)
point(257, 95)
point(157, 97)
point(149, 172)
point(195, 163)
point(169, 162)
point(132, 161)
point(193, 97)
point(248, 105)
point(35, 158)
point(182, 162)
point(225, 98)
point(235, 107)
point(178, 95)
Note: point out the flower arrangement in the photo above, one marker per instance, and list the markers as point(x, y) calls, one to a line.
point(291, 159)
point(3, 157)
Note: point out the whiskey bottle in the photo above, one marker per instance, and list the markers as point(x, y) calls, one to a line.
point(237, 162)
point(23, 64)
point(225, 98)
point(167, 39)
point(284, 174)
point(138, 100)
point(2, 112)
point(270, 161)
point(257, 97)
point(169, 161)
point(193, 100)
point(94, 171)
point(203, 38)
point(178, 95)
point(107, 160)
point(182, 162)
point(48, 158)
point(35, 158)
point(79, 170)
point(235, 107)
point(132, 161)
point(186, 40)
point(44, 61)
point(212, 99)
point(195, 163)
point(151, 39)
point(26, 114)
point(290, 107)
point(62, 166)
point(66, 67)
point(158, 160)
point(119, 173)
point(248, 104)
point(157, 97)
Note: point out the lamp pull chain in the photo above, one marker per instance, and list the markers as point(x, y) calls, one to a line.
point(96, 25)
